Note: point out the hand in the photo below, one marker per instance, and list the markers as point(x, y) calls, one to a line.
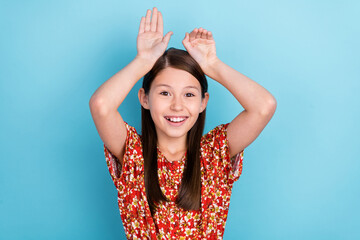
point(150, 41)
point(200, 44)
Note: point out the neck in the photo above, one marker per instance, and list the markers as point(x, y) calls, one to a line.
point(172, 145)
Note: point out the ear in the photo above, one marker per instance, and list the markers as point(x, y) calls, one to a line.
point(204, 102)
point(143, 98)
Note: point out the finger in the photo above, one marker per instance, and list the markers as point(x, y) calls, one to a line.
point(160, 24)
point(204, 34)
point(166, 39)
point(193, 34)
point(142, 25)
point(185, 41)
point(186, 38)
point(147, 21)
point(154, 19)
point(198, 34)
point(209, 35)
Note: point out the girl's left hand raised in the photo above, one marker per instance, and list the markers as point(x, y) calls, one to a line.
point(200, 44)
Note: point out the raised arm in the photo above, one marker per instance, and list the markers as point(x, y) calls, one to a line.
point(151, 44)
point(258, 103)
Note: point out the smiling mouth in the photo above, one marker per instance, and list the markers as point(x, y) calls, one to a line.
point(176, 119)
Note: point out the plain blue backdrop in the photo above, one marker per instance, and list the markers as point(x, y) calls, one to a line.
point(300, 177)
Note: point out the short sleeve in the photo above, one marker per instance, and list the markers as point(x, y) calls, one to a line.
point(225, 167)
point(114, 166)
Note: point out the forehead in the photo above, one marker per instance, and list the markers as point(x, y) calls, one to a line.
point(176, 78)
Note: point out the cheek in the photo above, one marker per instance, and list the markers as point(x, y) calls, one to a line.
point(157, 106)
point(195, 106)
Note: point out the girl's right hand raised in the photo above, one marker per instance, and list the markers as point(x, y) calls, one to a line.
point(150, 41)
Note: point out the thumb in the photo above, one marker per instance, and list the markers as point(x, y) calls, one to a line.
point(185, 41)
point(166, 39)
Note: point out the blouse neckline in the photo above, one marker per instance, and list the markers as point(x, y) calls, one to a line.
point(160, 154)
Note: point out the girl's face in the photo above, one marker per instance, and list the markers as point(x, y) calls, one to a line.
point(174, 101)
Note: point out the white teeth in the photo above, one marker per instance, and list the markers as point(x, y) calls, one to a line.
point(175, 119)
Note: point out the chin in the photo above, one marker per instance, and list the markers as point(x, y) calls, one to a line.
point(178, 131)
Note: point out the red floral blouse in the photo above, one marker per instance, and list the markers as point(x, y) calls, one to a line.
point(218, 173)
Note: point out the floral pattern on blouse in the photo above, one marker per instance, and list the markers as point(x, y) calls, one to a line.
point(218, 173)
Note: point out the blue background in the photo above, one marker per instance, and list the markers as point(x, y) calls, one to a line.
point(300, 177)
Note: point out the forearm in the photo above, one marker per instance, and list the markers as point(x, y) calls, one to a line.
point(113, 92)
point(251, 95)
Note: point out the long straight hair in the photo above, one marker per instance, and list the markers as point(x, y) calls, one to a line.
point(189, 195)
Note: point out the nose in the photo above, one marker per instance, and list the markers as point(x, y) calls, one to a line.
point(176, 103)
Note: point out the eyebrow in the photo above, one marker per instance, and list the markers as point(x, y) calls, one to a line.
point(165, 85)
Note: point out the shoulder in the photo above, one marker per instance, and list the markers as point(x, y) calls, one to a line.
point(215, 143)
point(215, 135)
point(132, 146)
point(132, 134)
point(131, 129)
point(133, 141)
point(216, 156)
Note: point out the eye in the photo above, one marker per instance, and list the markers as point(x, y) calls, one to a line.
point(189, 95)
point(164, 93)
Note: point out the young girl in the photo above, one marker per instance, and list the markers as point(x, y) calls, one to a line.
point(172, 182)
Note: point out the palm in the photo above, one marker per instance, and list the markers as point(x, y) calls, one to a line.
point(151, 43)
point(201, 46)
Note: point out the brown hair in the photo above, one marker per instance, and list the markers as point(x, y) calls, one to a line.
point(189, 195)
